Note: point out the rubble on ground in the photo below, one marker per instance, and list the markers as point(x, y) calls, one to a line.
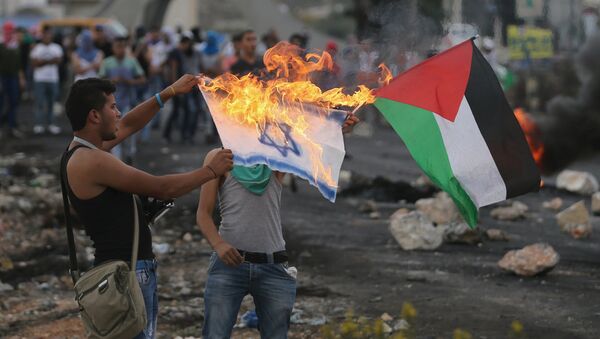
point(554, 204)
point(440, 209)
point(516, 210)
point(583, 183)
point(531, 260)
point(415, 231)
point(575, 220)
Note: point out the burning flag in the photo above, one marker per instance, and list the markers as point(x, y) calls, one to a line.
point(453, 117)
point(316, 154)
point(282, 119)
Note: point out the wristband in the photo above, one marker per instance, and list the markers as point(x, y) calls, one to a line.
point(212, 170)
point(160, 103)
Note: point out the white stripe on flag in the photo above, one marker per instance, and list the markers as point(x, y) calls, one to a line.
point(284, 150)
point(470, 159)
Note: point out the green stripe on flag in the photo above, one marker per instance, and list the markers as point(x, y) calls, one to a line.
point(421, 134)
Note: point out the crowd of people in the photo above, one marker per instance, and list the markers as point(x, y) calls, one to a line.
point(40, 67)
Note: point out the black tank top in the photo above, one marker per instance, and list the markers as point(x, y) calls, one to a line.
point(108, 221)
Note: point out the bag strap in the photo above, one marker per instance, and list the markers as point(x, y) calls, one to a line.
point(136, 232)
point(73, 266)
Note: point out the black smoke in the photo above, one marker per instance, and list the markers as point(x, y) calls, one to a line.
point(573, 128)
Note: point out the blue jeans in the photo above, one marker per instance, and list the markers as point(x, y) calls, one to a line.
point(45, 94)
point(9, 87)
point(146, 276)
point(273, 290)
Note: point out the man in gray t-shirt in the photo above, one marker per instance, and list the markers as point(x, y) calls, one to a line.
point(250, 256)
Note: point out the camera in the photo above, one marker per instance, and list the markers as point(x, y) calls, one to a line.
point(154, 208)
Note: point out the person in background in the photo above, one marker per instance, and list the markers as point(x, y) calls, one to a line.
point(26, 42)
point(231, 52)
point(45, 58)
point(158, 47)
point(87, 58)
point(125, 72)
point(249, 61)
point(184, 60)
point(101, 41)
point(12, 79)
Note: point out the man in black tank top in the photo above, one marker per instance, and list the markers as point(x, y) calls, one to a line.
point(100, 186)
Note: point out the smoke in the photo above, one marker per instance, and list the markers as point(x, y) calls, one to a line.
point(574, 126)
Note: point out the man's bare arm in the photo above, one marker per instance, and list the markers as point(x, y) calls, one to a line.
point(138, 117)
point(108, 171)
point(208, 196)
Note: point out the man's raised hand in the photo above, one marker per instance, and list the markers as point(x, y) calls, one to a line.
point(184, 84)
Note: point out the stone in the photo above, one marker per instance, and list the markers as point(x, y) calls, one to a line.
point(422, 181)
point(531, 260)
point(461, 233)
point(583, 183)
point(5, 287)
point(496, 235)
point(401, 325)
point(575, 220)
point(187, 237)
point(554, 204)
point(368, 206)
point(415, 231)
point(375, 215)
point(596, 203)
point(387, 329)
point(400, 212)
point(386, 317)
point(516, 210)
point(439, 209)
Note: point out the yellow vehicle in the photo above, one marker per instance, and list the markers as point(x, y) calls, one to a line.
point(112, 27)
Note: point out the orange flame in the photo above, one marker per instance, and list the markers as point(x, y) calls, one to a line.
point(258, 100)
point(532, 134)
point(386, 75)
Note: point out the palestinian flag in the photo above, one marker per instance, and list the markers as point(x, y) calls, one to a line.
point(452, 115)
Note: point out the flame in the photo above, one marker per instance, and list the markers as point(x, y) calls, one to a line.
point(532, 134)
point(386, 74)
point(270, 98)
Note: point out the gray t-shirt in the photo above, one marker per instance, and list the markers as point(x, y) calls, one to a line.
point(251, 222)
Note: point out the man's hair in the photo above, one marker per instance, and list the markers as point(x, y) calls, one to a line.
point(85, 95)
point(243, 33)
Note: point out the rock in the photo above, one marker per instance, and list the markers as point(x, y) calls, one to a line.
point(513, 212)
point(583, 183)
point(44, 180)
point(401, 325)
point(460, 232)
point(496, 235)
point(7, 202)
point(161, 248)
point(386, 317)
point(596, 203)
point(187, 237)
point(368, 206)
point(575, 220)
point(554, 204)
point(387, 329)
point(400, 212)
point(5, 287)
point(530, 260)
point(375, 215)
point(422, 181)
point(439, 209)
point(415, 231)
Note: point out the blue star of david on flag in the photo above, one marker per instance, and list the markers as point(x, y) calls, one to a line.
point(289, 144)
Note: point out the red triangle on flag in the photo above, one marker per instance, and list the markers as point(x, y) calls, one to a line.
point(437, 84)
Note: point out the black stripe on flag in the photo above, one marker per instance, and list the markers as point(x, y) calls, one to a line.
point(500, 129)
